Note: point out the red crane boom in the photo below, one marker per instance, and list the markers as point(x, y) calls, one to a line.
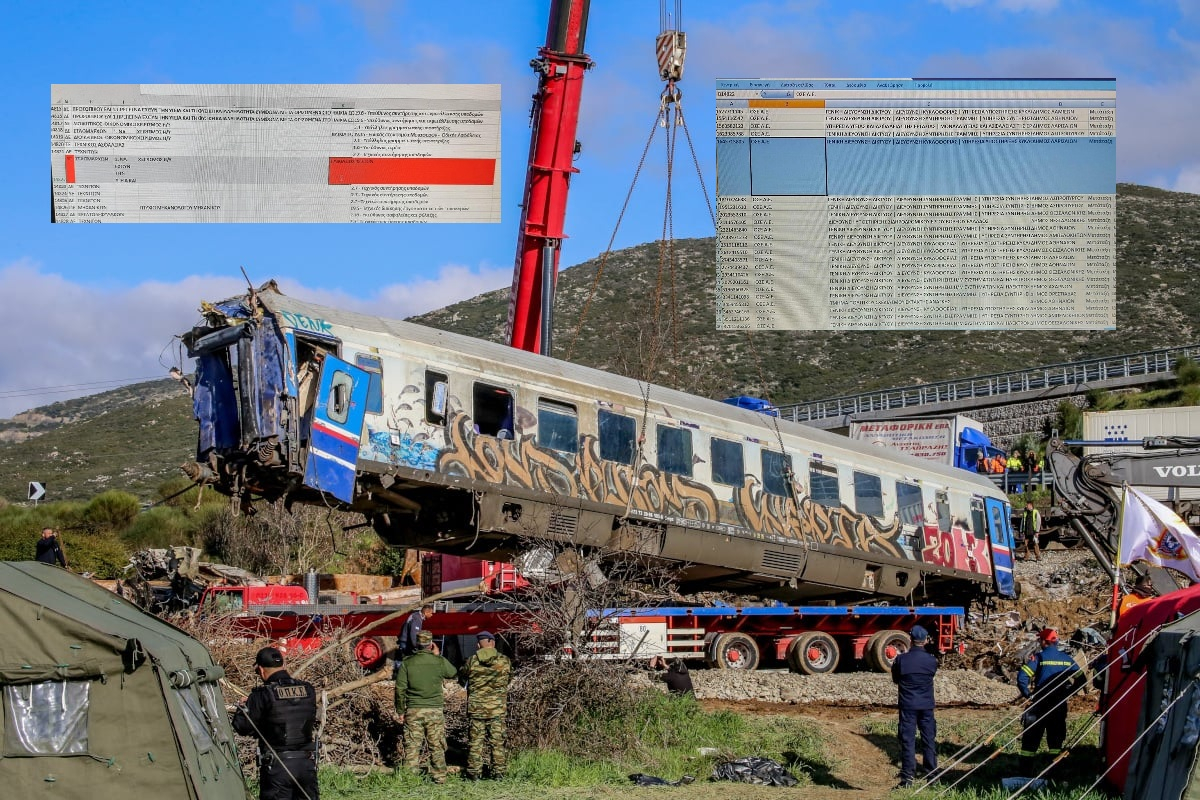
point(560, 65)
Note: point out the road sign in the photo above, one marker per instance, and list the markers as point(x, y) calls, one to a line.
point(36, 490)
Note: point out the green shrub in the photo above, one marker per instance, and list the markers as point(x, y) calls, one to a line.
point(110, 512)
point(160, 527)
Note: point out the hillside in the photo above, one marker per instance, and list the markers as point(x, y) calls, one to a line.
point(135, 437)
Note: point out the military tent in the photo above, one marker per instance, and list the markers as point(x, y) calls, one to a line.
point(100, 700)
point(1163, 760)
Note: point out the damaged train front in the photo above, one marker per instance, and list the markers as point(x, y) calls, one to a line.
point(244, 401)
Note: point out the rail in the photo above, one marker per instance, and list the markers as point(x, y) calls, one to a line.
point(1149, 363)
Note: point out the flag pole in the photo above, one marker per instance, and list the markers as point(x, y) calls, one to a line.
point(1116, 592)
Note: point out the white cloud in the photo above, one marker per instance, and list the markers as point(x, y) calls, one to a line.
point(1188, 179)
point(61, 334)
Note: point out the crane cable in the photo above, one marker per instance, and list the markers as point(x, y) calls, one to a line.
point(671, 117)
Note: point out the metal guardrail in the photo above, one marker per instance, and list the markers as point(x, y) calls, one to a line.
point(1149, 363)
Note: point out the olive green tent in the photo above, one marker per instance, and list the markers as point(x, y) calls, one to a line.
point(100, 700)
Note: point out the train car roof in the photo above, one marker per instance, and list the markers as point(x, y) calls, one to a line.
point(278, 303)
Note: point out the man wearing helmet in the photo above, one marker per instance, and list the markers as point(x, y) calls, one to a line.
point(1054, 676)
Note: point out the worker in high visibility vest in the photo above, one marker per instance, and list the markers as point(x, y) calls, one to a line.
point(1047, 679)
point(1143, 590)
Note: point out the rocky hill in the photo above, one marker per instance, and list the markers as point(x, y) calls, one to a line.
point(647, 318)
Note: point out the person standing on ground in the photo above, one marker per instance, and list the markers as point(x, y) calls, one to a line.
point(48, 549)
point(913, 672)
point(1031, 526)
point(419, 702)
point(282, 713)
point(412, 627)
point(487, 674)
point(1054, 676)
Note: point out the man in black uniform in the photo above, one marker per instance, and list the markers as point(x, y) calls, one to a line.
point(48, 549)
point(281, 713)
point(913, 672)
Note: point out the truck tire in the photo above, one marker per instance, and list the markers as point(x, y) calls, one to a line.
point(733, 651)
point(883, 647)
point(372, 652)
point(813, 653)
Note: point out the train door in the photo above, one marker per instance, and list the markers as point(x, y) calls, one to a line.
point(1001, 536)
point(337, 423)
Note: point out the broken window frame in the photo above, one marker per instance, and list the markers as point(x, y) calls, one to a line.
point(373, 366)
point(434, 395)
point(910, 496)
point(492, 408)
point(822, 478)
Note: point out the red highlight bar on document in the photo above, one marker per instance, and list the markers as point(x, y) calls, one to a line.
point(70, 168)
point(412, 171)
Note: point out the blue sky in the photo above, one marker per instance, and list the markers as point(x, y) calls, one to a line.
point(98, 305)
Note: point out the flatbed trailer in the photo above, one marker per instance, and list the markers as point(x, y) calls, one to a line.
point(808, 639)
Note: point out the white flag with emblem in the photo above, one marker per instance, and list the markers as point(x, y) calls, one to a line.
point(1154, 533)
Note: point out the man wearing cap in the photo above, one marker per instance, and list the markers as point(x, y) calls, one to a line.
point(1055, 677)
point(419, 702)
point(487, 674)
point(281, 713)
point(913, 672)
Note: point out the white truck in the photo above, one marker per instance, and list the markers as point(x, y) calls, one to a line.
point(1126, 429)
point(956, 440)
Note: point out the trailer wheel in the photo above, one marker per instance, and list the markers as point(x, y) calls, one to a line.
point(372, 652)
point(813, 653)
point(884, 646)
point(733, 651)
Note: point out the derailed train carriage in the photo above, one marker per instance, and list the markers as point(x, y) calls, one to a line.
point(453, 444)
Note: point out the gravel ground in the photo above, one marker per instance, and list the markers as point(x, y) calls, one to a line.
point(951, 687)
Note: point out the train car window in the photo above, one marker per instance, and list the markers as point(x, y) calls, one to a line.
point(675, 450)
point(909, 504)
point(436, 384)
point(558, 426)
point(338, 404)
point(373, 366)
point(945, 521)
point(492, 410)
point(868, 494)
point(618, 437)
point(823, 484)
point(977, 519)
point(776, 467)
point(728, 463)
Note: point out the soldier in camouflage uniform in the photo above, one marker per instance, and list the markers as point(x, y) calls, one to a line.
point(487, 674)
point(419, 703)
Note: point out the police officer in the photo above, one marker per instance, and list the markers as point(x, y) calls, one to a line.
point(1055, 677)
point(419, 702)
point(281, 713)
point(487, 674)
point(913, 672)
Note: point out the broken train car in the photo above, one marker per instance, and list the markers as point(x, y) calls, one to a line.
point(462, 446)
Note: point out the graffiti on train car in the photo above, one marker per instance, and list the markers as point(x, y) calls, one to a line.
point(813, 522)
point(958, 548)
point(649, 491)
